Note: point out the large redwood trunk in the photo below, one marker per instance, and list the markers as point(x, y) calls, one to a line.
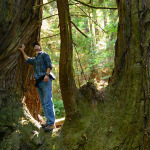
point(130, 82)
point(19, 23)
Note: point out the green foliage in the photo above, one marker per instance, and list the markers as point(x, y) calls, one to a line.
point(112, 27)
point(59, 108)
point(97, 51)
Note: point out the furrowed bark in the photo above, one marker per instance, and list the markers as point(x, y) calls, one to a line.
point(130, 81)
point(18, 25)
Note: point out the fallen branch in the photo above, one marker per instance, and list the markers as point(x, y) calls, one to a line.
point(79, 29)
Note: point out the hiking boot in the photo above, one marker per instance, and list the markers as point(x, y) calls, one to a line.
point(44, 125)
point(49, 128)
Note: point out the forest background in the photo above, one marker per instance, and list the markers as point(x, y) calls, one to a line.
point(94, 34)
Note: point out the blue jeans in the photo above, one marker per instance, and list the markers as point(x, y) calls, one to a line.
point(45, 94)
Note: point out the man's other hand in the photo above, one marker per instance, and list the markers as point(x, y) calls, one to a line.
point(46, 78)
point(22, 48)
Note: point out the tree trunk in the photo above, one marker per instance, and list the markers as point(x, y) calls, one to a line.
point(18, 24)
point(67, 83)
point(130, 80)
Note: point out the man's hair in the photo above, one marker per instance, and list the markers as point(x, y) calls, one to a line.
point(35, 43)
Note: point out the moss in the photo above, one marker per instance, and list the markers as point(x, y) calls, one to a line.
point(112, 126)
point(12, 142)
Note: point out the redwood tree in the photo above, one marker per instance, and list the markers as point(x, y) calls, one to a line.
point(130, 80)
point(19, 23)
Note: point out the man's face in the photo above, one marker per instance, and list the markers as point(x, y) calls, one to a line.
point(37, 49)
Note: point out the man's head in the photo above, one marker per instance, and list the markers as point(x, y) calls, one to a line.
point(37, 47)
point(36, 44)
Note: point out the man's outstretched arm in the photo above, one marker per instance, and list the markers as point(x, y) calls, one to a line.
point(22, 50)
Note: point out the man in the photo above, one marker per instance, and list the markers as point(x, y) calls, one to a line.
point(42, 67)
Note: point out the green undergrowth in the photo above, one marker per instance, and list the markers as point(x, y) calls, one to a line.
point(59, 108)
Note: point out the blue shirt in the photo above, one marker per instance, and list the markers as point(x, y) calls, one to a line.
point(40, 62)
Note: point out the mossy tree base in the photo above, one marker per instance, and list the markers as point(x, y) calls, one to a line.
point(107, 125)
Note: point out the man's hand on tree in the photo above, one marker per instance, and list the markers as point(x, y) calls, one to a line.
point(22, 48)
point(46, 78)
